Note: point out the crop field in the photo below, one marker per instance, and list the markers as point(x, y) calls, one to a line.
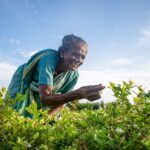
point(117, 125)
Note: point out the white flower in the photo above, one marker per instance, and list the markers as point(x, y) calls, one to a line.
point(119, 130)
point(29, 145)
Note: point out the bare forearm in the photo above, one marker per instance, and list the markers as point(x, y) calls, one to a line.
point(59, 99)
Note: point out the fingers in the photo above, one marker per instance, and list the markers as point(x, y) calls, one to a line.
point(97, 87)
point(93, 96)
point(92, 91)
point(101, 87)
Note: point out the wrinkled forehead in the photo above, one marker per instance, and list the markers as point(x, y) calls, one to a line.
point(82, 46)
point(80, 50)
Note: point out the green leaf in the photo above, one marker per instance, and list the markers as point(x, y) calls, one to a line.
point(16, 148)
point(32, 109)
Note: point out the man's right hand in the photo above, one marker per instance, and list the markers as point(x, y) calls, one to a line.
point(91, 92)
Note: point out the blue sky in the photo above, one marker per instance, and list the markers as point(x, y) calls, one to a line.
point(117, 32)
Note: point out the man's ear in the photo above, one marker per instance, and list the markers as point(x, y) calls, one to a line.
point(62, 53)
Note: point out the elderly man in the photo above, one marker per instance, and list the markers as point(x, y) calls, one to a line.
point(48, 78)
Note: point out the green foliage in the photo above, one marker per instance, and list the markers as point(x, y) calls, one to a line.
point(118, 125)
point(77, 106)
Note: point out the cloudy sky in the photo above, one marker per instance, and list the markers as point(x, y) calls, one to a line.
point(117, 32)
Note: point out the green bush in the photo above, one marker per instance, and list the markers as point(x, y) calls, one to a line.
point(118, 125)
point(77, 106)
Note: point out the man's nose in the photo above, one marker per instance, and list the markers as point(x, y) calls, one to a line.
point(79, 60)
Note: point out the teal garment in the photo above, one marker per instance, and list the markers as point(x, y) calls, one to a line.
point(39, 70)
point(45, 69)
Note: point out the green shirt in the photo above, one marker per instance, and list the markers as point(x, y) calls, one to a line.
point(39, 70)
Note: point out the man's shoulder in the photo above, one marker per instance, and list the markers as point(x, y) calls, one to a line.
point(43, 53)
point(48, 51)
point(50, 55)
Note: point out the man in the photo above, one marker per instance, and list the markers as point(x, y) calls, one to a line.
point(49, 77)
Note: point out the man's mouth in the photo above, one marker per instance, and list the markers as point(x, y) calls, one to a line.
point(74, 66)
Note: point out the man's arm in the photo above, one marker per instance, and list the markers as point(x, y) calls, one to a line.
point(88, 92)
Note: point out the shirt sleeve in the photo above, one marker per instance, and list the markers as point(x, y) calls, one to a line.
point(46, 68)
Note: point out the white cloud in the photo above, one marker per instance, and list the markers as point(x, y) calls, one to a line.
point(17, 42)
point(14, 41)
point(112, 43)
point(27, 54)
point(144, 67)
point(121, 61)
point(7, 71)
point(144, 39)
point(11, 40)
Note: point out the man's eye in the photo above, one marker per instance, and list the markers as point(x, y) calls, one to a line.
point(83, 57)
point(78, 56)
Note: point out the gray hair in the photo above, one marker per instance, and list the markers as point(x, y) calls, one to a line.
point(71, 41)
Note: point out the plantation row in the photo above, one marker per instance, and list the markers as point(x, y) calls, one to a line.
point(118, 125)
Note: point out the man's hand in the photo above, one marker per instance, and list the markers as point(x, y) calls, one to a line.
point(91, 92)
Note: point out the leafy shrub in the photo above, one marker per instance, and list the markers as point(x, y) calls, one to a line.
point(117, 125)
point(77, 106)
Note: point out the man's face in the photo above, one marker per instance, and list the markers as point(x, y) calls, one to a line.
point(74, 58)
